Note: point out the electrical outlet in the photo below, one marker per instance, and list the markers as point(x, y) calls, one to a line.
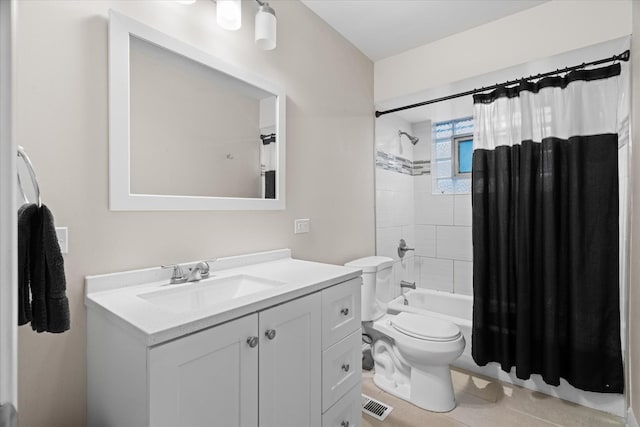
point(301, 226)
point(63, 239)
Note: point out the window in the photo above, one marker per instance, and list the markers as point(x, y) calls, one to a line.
point(452, 151)
point(462, 154)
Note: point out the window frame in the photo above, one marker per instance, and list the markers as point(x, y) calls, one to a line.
point(455, 151)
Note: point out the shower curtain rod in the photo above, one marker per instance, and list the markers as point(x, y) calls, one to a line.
point(624, 56)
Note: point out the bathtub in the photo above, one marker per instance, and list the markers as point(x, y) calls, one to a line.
point(459, 310)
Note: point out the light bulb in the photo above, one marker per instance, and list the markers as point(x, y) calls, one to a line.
point(229, 14)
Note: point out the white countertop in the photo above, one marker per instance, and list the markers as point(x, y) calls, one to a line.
point(116, 295)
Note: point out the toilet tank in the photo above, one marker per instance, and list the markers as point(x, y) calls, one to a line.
point(376, 273)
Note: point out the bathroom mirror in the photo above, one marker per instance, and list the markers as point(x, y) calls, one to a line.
point(188, 131)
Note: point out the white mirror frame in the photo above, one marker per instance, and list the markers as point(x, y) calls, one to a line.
point(121, 28)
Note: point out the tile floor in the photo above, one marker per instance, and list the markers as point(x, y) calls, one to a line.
point(486, 402)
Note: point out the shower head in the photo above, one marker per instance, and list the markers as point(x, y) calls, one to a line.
point(413, 139)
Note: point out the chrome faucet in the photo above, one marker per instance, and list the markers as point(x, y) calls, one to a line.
point(197, 272)
point(403, 248)
point(405, 284)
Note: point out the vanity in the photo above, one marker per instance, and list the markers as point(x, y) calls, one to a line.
point(265, 340)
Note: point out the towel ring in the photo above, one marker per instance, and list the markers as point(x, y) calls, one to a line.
point(32, 174)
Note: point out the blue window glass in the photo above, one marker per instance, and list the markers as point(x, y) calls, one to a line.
point(465, 154)
point(451, 156)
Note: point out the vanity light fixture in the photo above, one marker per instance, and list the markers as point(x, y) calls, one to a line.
point(229, 14)
point(229, 17)
point(265, 26)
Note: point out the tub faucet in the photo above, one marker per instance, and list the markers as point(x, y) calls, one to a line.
point(405, 284)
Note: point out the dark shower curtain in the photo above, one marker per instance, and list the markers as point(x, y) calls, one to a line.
point(545, 230)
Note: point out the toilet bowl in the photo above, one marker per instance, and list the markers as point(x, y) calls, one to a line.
point(420, 373)
point(411, 352)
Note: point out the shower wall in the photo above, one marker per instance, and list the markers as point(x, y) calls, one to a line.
point(437, 226)
point(395, 206)
point(442, 227)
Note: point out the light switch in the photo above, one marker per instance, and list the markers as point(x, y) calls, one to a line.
point(301, 226)
point(63, 239)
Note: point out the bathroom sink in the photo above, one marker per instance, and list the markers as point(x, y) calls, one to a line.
point(207, 293)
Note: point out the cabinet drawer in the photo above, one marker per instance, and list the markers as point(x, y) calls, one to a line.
point(347, 412)
point(341, 368)
point(340, 311)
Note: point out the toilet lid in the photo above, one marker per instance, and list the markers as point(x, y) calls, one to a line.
point(425, 327)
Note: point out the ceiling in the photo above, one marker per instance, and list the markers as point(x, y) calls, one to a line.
point(383, 28)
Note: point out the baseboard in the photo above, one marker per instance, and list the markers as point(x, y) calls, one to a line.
point(631, 419)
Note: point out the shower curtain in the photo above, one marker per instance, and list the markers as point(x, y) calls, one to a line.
point(545, 230)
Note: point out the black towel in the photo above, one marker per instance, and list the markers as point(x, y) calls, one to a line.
point(58, 317)
point(37, 276)
point(44, 269)
point(28, 216)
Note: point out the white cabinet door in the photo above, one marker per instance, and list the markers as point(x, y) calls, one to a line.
point(209, 378)
point(290, 364)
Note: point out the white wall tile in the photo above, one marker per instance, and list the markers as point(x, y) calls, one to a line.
point(387, 239)
point(463, 277)
point(404, 208)
point(422, 183)
point(406, 182)
point(393, 180)
point(384, 214)
point(392, 206)
point(433, 210)
point(426, 240)
point(385, 179)
point(454, 243)
point(422, 150)
point(436, 274)
point(462, 214)
point(409, 236)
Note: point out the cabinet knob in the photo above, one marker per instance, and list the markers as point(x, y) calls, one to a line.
point(344, 424)
point(252, 341)
point(270, 333)
point(345, 367)
point(345, 311)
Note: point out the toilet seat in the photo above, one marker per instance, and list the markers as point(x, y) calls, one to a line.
point(425, 327)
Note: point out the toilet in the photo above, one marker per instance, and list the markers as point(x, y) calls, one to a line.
point(411, 352)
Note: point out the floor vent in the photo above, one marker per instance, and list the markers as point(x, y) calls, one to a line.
point(375, 408)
